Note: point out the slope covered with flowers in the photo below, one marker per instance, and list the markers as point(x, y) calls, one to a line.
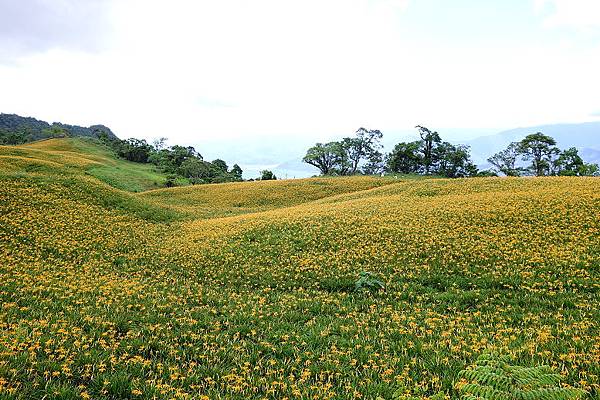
point(111, 295)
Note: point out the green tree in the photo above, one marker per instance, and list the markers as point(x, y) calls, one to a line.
point(540, 150)
point(236, 172)
point(135, 150)
point(346, 156)
point(505, 160)
point(569, 163)
point(405, 158)
point(454, 161)
point(325, 156)
point(590, 170)
point(169, 160)
point(375, 163)
point(196, 170)
point(429, 141)
point(56, 131)
point(267, 175)
point(220, 165)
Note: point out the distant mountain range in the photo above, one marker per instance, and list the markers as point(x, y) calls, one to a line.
point(584, 136)
point(34, 129)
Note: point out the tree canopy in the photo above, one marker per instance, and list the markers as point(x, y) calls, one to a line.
point(544, 158)
point(349, 156)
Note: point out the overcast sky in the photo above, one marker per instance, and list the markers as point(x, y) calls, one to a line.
point(200, 69)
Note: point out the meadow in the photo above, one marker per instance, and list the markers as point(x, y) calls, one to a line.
point(247, 290)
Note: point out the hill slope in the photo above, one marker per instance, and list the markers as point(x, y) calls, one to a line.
point(108, 294)
point(15, 129)
point(84, 155)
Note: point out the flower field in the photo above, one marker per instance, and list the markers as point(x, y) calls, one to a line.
point(246, 291)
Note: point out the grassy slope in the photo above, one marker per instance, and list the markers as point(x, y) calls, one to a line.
point(98, 301)
point(220, 200)
point(100, 163)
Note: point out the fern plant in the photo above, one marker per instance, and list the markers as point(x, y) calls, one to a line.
point(494, 378)
point(368, 281)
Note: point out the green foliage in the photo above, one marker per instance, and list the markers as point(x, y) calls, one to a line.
point(505, 160)
point(405, 158)
point(220, 165)
point(494, 378)
point(546, 159)
point(569, 163)
point(326, 157)
point(180, 162)
point(348, 155)
point(368, 282)
point(431, 155)
point(236, 172)
point(267, 175)
point(540, 149)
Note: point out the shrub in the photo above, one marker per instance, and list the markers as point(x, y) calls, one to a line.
point(368, 282)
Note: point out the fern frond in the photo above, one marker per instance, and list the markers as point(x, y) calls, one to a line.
point(494, 378)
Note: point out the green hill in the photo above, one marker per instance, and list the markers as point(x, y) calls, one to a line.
point(83, 155)
point(15, 129)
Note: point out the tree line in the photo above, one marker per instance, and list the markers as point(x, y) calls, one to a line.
point(537, 154)
point(180, 163)
point(543, 157)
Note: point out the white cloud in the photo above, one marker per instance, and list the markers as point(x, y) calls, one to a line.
point(196, 70)
point(582, 14)
point(29, 26)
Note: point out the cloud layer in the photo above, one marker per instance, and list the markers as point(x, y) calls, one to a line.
point(197, 70)
point(33, 26)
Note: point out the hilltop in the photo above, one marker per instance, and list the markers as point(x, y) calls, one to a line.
point(248, 290)
point(15, 129)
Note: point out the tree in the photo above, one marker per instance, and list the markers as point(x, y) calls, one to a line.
point(56, 131)
point(346, 156)
point(325, 156)
point(431, 155)
point(267, 175)
point(368, 147)
point(196, 170)
point(375, 164)
point(405, 158)
point(540, 149)
point(569, 163)
point(505, 160)
point(220, 165)
point(429, 141)
point(135, 150)
point(590, 170)
point(236, 172)
point(454, 161)
point(159, 143)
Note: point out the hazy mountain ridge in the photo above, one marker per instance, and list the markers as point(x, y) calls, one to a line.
point(584, 136)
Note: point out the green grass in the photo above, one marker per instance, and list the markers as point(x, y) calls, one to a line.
point(131, 177)
point(103, 163)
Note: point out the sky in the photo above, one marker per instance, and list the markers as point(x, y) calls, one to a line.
point(236, 70)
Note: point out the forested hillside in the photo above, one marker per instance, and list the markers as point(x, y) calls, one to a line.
point(15, 129)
